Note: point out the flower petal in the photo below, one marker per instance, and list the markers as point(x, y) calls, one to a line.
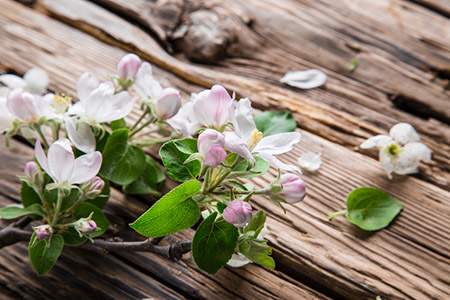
point(145, 85)
point(41, 157)
point(61, 160)
point(117, 107)
point(236, 144)
point(238, 260)
point(36, 81)
point(86, 167)
point(386, 161)
point(278, 164)
point(310, 161)
point(22, 105)
point(213, 107)
point(409, 158)
point(243, 122)
point(80, 135)
point(12, 81)
point(86, 84)
point(404, 133)
point(308, 79)
point(6, 118)
point(184, 121)
point(379, 141)
point(278, 143)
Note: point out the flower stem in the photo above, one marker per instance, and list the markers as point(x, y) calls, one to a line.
point(139, 120)
point(58, 208)
point(141, 127)
point(335, 214)
point(41, 135)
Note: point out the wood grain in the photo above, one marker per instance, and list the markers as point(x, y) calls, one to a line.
point(394, 263)
point(347, 110)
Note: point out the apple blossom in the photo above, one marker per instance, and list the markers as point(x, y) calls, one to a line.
point(238, 213)
point(246, 140)
point(80, 134)
point(35, 81)
point(6, 118)
point(99, 103)
point(167, 104)
point(400, 152)
point(60, 163)
point(43, 232)
point(211, 147)
point(293, 188)
point(184, 121)
point(213, 107)
point(128, 66)
point(28, 107)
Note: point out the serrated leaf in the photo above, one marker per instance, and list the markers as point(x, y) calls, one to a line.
point(175, 211)
point(45, 253)
point(174, 154)
point(214, 243)
point(271, 122)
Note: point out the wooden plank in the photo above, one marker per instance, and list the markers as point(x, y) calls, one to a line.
point(133, 274)
point(306, 245)
point(439, 6)
point(344, 113)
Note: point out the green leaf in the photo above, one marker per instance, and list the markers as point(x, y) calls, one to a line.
point(173, 155)
point(85, 209)
point(29, 195)
point(214, 243)
point(256, 223)
point(271, 122)
point(15, 211)
point(117, 124)
point(51, 196)
point(148, 182)
point(175, 211)
point(122, 163)
point(371, 208)
point(44, 253)
point(258, 252)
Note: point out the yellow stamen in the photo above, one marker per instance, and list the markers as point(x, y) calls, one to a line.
point(255, 138)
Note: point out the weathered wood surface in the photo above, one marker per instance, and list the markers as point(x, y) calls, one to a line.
point(408, 260)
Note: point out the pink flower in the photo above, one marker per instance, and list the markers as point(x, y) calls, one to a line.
point(85, 226)
point(128, 66)
point(168, 103)
point(211, 146)
point(293, 188)
point(60, 163)
point(43, 232)
point(238, 213)
point(213, 107)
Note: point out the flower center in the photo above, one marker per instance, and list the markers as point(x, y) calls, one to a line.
point(61, 102)
point(393, 149)
point(255, 137)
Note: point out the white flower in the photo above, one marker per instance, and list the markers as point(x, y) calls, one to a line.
point(400, 152)
point(6, 118)
point(307, 79)
point(184, 121)
point(35, 81)
point(246, 140)
point(310, 161)
point(98, 103)
point(60, 163)
point(80, 134)
point(28, 107)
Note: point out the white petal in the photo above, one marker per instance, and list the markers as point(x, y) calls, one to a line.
point(238, 260)
point(379, 141)
point(184, 121)
point(409, 158)
point(386, 161)
point(86, 167)
point(116, 107)
point(6, 118)
point(80, 135)
point(213, 107)
point(310, 161)
point(61, 160)
point(305, 79)
point(12, 81)
point(4, 91)
point(404, 133)
point(86, 84)
point(77, 109)
point(243, 122)
point(236, 144)
point(36, 81)
point(278, 164)
point(277, 143)
point(40, 156)
point(22, 105)
point(145, 85)
point(97, 105)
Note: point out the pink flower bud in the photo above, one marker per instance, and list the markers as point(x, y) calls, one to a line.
point(93, 187)
point(211, 145)
point(31, 169)
point(128, 66)
point(43, 232)
point(293, 188)
point(168, 103)
point(85, 226)
point(238, 213)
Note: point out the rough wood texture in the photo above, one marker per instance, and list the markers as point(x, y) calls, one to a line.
point(352, 106)
point(408, 260)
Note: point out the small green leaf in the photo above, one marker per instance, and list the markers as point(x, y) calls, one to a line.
point(85, 209)
point(214, 243)
point(29, 195)
point(271, 122)
point(256, 223)
point(148, 182)
point(122, 163)
point(175, 211)
point(258, 252)
point(174, 154)
point(371, 208)
point(44, 253)
point(117, 124)
point(15, 211)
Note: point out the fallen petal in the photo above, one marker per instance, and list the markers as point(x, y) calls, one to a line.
point(310, 161)
point(308, 79)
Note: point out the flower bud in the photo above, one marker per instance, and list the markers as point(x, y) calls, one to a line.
point(93, 187)
point(43, 232)
point(238, 213)
point(168, 104)
point(85, 226)
point(211, 145)
point(31, 168)
point(293, 188)
point(128, 66)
